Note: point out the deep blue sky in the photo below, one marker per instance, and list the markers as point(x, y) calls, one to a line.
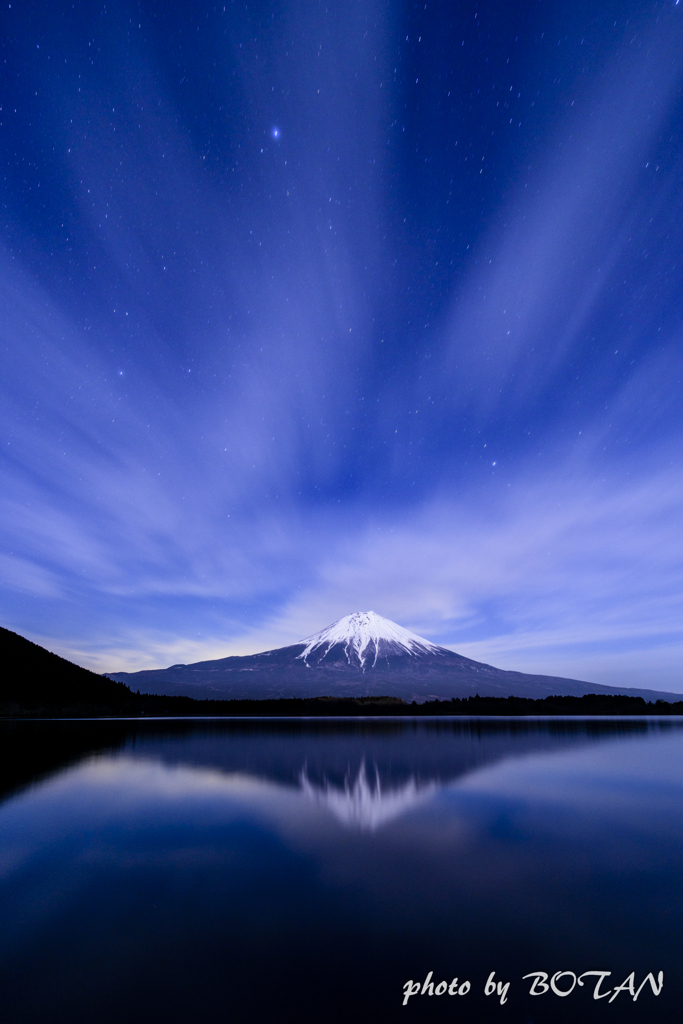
point(313, 308)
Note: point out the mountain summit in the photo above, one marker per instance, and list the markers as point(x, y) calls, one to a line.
point(360, 655)
point(364, 639)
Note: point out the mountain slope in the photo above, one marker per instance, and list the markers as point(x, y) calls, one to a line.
point(359, 654)
point(31, 677)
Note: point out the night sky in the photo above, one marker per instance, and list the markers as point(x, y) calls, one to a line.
point(312, 308)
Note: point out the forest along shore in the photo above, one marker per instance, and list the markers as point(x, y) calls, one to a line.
point(125, 703)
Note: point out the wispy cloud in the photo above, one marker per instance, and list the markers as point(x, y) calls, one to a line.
point(241, 397)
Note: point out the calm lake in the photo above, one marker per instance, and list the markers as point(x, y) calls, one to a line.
point(308, 870)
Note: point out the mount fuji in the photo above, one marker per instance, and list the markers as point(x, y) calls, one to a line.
point(359, 655)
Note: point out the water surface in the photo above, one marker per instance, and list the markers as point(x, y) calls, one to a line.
point(306, 870)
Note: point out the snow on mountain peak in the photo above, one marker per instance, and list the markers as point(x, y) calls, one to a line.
point(363, 634)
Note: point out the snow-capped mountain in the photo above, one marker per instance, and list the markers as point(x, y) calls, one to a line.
point(364, 639)
point(360, 655)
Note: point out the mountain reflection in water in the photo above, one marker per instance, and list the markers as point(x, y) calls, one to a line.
point(366, 804)
point(331, 750)
point(303, 870)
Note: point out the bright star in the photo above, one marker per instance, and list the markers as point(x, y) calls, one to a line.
point(276, 133)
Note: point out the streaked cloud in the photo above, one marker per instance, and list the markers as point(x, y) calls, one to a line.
point(241, 396)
